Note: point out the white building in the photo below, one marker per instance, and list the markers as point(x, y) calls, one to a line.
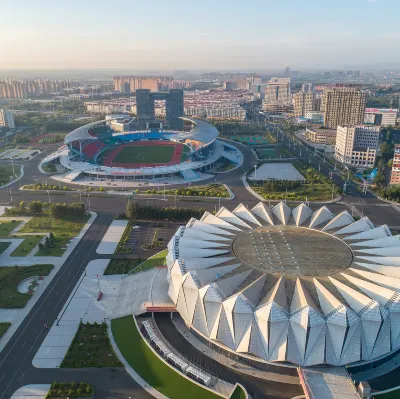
point(315, 116)
point(380, 116)
point(6, 118)
point(278, 90)
point(357, 145)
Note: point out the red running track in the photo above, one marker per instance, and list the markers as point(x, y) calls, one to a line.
point(175, 159)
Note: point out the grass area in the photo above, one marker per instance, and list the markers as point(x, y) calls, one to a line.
point(156, 260)
point(389, 395)
point(223, 165)
point(70, 390)
point(185, 153)
point(286, 153)
point(91, 348)
point(63, 230)
point(267, 153)
point(3, 328)
point(51, 168)
point(155, 372)
point(207, 190)
point(145, 154)
point(122, 266)
point(271, 137)
point(7, 227)
point(6, 173)
point(27, 245)
point(4, 246)
point(251, 140)
point(122, 248)
point(10, 277)
point(238, 393)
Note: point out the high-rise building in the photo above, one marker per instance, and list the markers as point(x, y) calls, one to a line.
point(307, 88)
point(303, 103)
point(357, 145)
point(174, 107)
point(286, 73)
point(6, 118)
point(343, 106)
point(278, 89)
point(395, 176)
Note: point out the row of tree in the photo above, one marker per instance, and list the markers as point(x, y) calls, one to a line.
point(135, 211)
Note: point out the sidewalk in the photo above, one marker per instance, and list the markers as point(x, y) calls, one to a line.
point(33, 391)
point(110, 241)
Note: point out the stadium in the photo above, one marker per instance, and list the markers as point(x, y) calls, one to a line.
point(288, 286)
point(99, 150)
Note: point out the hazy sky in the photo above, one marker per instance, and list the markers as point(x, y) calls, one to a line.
point(206, 34)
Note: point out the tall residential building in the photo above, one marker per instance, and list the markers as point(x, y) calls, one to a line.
point(343, 106)
point(307, 88)
point(6, 118)
point(278, 90)
point(303, 103)
point(395, 176)
point(174, 107)
point(357, 145)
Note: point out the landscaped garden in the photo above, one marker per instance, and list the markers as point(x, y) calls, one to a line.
point(152, 369)
point(27, 245)
point(4, 246)
point(207, 190)
point(6, 173)
point(91, 348)
point(7, 227)
point(126, 266)
point(4, 327)
point(69, 390)
point(238, 393)
point(11, 277)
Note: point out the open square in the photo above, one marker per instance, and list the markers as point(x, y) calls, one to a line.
point(276, 171)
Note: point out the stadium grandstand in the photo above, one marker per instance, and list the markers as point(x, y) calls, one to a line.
point(97, 150)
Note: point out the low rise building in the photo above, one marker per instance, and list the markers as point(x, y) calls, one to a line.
point(315, 117)
point(380, 116)
point(395, 176)
point(357, 145)
point(321, 135)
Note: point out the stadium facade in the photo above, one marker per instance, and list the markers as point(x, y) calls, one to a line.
point(89, 149)
point(288, 286)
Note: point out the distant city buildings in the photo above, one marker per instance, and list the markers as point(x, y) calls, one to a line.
point(380, 116)
point(357, 145)
point(131, 83)
point(343, 106)
point(395, 176)
point(6, 119)
point(237, 85)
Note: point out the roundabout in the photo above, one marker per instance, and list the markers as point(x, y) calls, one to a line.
point(290, 286)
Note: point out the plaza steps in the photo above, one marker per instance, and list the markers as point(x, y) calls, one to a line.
point(71, 176)
point(189, 175)
point(230, 156)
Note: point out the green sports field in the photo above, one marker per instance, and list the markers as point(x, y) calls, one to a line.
point(145, 154)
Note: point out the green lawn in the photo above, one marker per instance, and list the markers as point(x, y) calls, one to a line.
point(206, 190)
point(155, 372)
point(3, 328)
point(238, 393)
point(267, 153)
point(4, 246)
point(91, 348)
point(7, 227)
point(145, 154)
point(156, 260)
point(70, 389)
point(122, 266)
point(27, 245)
point(63, 230)
point(10, 277)
point(6, 172)
point(185, 153)
point(389, 395)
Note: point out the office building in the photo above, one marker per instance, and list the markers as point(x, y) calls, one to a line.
point(145, 105)
point(395, 176)
point(321, 135)
point(357, 145)
point(343, 106)
point(303, 103)
point(380, 116)
point(6, 118)
point(278, 90)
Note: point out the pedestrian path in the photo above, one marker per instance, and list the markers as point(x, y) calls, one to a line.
point(33, 391)
point(111, 239)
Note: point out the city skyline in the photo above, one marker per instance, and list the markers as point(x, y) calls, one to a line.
point(162, 36)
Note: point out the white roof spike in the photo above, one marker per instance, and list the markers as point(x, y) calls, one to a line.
point(373, 234)
point(229, 284)
point(207, 276)
point(229, 217)
point(263, 212)
point(355, 299)
point(245, 214)
point(194, 253)
point(301, 298)
point(384, 281)
point(382, 260)
point(321, 215)
point(326, 299)
point(199, 243)
point(282, 212)
point(377, 293)
point(277, 294)
point(253, 291)
point(202, 235)
point(359, 226)
point(204, 263)
point(393, 241)
point(393, 271)
point(209, 218)
point(343, 219)
point(301, 213)
point(388, 251)
point(207, 228)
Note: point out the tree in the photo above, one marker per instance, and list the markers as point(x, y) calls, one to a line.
point(131, 210)
point(379, 179)
point(35, 207)
point(390, 163)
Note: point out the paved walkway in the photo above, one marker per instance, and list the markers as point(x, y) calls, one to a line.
point(111, 239)
point(16, 316)
point(34, 391)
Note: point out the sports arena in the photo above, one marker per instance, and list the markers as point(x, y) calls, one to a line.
point(99, 150)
